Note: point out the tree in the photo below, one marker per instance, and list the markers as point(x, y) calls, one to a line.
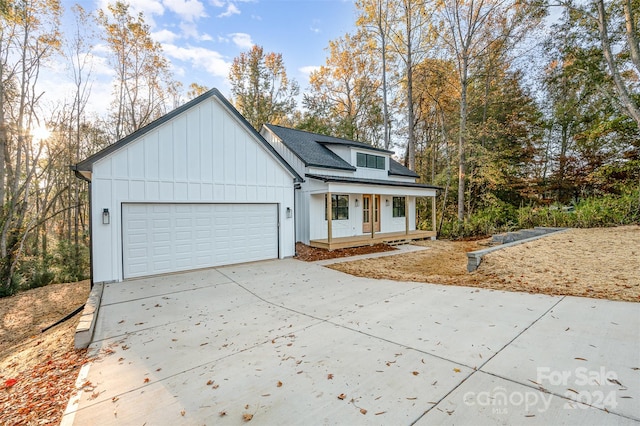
point(411, 38)
point(375, 18)
point(344, 93)
point(144, 88)
point(28, 35)
point(196, 90)
point(261, 89)
point(473, 28)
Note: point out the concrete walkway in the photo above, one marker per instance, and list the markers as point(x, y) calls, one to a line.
point(289, 342)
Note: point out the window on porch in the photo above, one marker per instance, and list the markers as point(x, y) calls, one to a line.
point(398, 206)
point(339, 207)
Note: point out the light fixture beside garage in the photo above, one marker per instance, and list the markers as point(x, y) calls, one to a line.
point(105, 217)
point(289, 213)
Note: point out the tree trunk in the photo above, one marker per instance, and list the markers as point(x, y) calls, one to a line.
point(462, 139)
point(629, 105)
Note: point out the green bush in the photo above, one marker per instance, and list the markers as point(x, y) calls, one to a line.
point(597, 211)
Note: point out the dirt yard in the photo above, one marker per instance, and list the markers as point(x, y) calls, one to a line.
point(600, 263)
point(38, 370)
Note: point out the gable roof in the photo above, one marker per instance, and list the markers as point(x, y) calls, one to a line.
point(308, 149)
point(86, 165)
point(311, 149)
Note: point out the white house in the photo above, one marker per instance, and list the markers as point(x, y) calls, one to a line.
point(352, 194)
point(196, 188)
point(200, 187)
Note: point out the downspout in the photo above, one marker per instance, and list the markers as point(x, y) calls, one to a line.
point(296, 187)
point(84, 178)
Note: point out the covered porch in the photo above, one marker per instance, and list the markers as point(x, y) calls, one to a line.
point(366, 212)
point(366, 240)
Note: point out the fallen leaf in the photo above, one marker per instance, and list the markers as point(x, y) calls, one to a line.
point(415, 373)
point(614, 381)
point(329, 376)
point(10, 382)
point(209, 383)
point(216, 386)
point(580, 359)
point(342, 396)
point(247, 417)
point(146, 380)
point(246, 407)
point(530, 415)
point(222, 413)
point(363, 411)
point(457, 370)
point(379, 413)
point(114, 399)
point(182, 413)
point(279, 384)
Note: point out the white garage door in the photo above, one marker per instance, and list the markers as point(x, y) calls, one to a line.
point(161, 238)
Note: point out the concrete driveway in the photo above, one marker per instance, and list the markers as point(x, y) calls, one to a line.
point(289, 342)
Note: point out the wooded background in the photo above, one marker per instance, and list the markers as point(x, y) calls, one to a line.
point(519, 128)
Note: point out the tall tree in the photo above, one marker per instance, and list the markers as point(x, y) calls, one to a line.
point(345, 91)
point(375, 16)
point(28, 35)
point(144, 87)
point(472, 27)
point(411, 39)
point(261, 89)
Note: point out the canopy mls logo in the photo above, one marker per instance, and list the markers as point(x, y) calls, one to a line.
point(500, 400)
point(583, 387)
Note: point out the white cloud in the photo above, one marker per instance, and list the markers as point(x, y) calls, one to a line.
point(315, 26)
point(308, 69)
point(232, 9)
point(164, 36)
point(189, 10)
point(242, 40)
point(149, 8)
point(199, 57)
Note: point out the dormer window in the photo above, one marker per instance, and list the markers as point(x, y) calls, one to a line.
point(370, 161)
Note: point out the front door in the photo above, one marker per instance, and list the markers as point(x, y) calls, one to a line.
point(370, 213)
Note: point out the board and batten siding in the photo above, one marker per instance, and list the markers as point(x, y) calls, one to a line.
point(204, 155)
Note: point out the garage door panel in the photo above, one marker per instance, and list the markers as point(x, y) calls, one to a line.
point(161, 238)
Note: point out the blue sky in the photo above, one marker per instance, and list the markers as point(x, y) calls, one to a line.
point(201, 37)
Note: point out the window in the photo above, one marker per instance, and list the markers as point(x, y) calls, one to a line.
point(339, 207)
point(370, 161)
point(398, 206)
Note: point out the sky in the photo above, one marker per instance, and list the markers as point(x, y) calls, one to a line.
point(202, 37)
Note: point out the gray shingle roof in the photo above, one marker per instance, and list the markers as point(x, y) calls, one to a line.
point(305, 145)
point(311, 149)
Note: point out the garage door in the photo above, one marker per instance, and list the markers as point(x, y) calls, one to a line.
point(161, 238)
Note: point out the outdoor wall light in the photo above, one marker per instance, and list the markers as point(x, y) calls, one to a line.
point(386, 202)
point(105, 217)
point(357, 203)
point(289, 213)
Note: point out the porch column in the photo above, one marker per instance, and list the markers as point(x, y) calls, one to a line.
point(434, 220)
point(406, 214)
point(329, 209)
point(372, 215)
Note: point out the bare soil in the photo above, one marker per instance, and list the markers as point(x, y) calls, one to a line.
point(600, 263)
point(38, 370)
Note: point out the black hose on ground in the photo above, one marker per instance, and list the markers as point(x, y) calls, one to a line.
point(64, 319)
